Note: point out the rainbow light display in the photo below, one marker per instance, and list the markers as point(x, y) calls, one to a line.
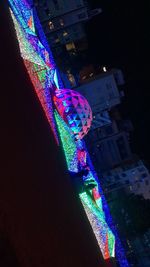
point(43, 73)
point(74, 110)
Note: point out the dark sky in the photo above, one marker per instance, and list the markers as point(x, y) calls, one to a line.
point(40, 216)
point(120, 38)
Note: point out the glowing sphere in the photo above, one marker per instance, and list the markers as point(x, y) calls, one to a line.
point(75, 111)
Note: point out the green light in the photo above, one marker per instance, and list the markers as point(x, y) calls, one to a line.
point(104, 235)
point(68, 143)
point(26, 49)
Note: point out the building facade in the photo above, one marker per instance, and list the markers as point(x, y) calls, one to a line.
point(122, 172)
point(63, 23)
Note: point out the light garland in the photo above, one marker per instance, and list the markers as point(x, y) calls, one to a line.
point(104, 235)
point(43, 73)
point(36, 59)
point(68, 143)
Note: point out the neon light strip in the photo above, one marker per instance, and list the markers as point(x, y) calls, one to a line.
point(43, 74)
point(36, 59)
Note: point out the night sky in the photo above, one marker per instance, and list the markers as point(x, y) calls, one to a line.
point(119, 38)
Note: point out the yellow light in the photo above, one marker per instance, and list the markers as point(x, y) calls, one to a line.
point(65, 33)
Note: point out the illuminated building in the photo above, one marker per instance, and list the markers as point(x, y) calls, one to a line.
point(64, 21)
point(108, 142)
point(108, 139)
point(70, 121)
point(64, 26)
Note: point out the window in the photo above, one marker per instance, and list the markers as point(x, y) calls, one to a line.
point(71, 79)
point(51, 25)
point(65, 34)
point(70, 46)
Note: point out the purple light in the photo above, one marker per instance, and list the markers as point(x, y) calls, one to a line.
point(75, 111)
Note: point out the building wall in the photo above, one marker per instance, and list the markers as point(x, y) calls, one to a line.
point(63, 19)
point(111, 151)
point(134, 177)
point(65, 36)
point(53, 8)
point(102, 93)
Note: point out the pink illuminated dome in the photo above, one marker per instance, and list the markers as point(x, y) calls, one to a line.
point(75, 110)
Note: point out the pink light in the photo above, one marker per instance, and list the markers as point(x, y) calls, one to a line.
point(75, 111)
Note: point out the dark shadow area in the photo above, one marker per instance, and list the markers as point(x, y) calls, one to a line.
point(7, 254)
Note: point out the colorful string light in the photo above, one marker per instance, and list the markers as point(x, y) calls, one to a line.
point(43, 73)
point(75, 111)
point(68, 143)
point(104, 235)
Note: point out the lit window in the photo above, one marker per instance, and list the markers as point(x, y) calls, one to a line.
point(70, 46)
point(51, 25)
point(65, 33)
point(71, 78)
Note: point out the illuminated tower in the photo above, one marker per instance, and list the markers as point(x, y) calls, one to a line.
point(70, 117)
